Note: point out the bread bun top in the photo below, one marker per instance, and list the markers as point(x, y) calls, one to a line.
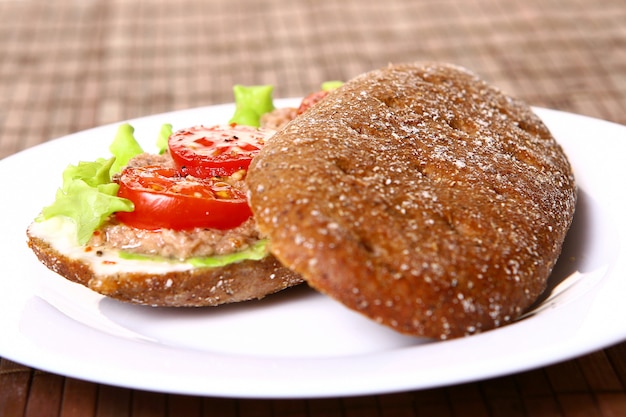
point(420, 196)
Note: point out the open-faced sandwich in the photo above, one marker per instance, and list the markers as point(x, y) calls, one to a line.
point(171, 228)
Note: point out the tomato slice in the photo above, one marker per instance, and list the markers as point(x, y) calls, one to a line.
point(310, 100)
point(164, 199)
point(206, 152)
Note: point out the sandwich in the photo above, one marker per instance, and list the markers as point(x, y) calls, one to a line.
point(170, 228)
point(418, 195)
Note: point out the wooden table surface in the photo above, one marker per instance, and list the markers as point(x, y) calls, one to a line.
point(68, 65)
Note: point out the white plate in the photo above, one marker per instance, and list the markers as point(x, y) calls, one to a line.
point(298, 343)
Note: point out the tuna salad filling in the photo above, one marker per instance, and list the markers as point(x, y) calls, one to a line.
point(176, 244)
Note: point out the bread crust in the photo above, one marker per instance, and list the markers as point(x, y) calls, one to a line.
point(420, 196)
point(196, 287)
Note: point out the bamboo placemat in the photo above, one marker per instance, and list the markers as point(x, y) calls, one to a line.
point(70, 65)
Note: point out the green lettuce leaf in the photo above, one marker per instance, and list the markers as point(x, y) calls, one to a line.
point(87, 205)
point(93, 173)
point(252, 102)
point(255, 252)
point(124, 147)
point(87, 195)
point(164, 135)
point(331, 85)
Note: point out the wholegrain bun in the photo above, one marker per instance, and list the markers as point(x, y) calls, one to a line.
point(420, 196)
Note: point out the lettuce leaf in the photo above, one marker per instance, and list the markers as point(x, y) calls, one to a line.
point(162, 139)
point(87, 197)
point(331, 85)
point(93, 173)
point(124, 147)
point(252, 102)
point(255, 252)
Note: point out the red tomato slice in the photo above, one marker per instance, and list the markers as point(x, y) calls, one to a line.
point(310, 100)
point(165, 199)
point(206, 152)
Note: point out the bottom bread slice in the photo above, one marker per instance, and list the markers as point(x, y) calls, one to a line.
point(171, 284)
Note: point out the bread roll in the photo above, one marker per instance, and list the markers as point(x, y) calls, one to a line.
point(420, 196)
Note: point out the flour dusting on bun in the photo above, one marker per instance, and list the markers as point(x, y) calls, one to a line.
point(420, 196)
